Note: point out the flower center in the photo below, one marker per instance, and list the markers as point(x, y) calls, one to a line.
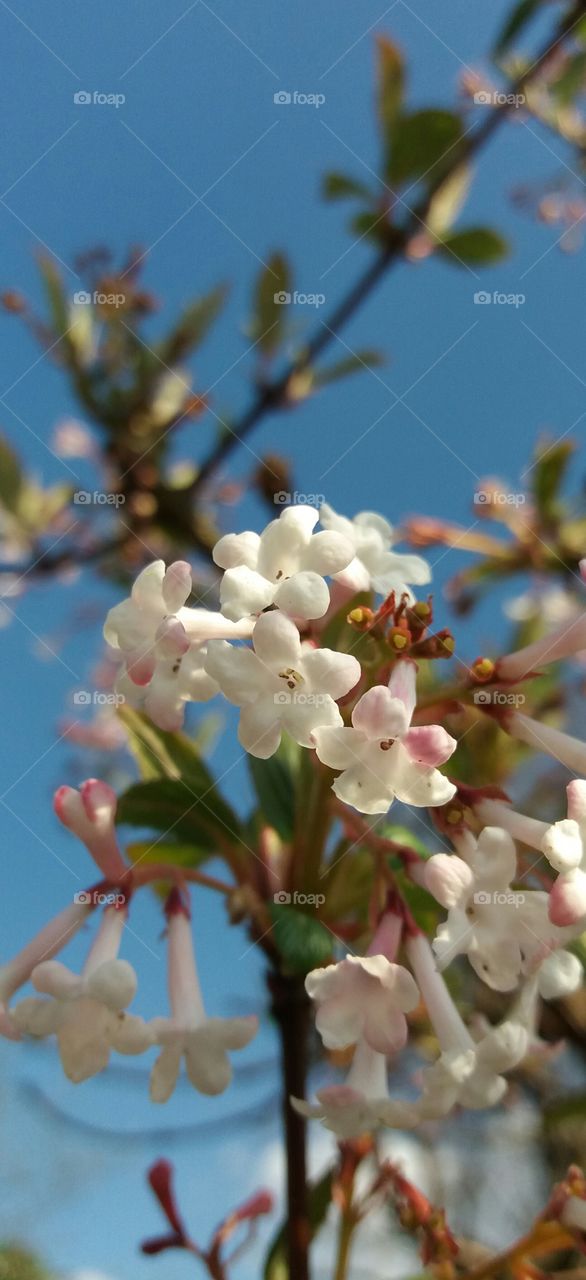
point(386, 744)
point(292, 677)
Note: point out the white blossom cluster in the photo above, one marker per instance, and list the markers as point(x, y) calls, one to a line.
point(263, 653)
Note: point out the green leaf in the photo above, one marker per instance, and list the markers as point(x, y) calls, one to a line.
point(179, 793)
point(185, 812)
point(19, 1264)
point(337, 186)
point(421, 142)
point(371, 225)
point(571, 81)
point(56, 296)
point(302, 940)
point(448, 200)
point(477, 246)
point(269, 314)
point(319, 1198)
point(390, 85)
point(11, 478)
point(192, 327)
point(404, 835)
point(514, 23)
point(356, 363)
point(547, 476)
point(274, 783)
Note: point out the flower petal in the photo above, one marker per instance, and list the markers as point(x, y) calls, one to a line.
point(332, 673)
point(379, 715)
point(328, 553)
point(429, 744)
point(276, 641)
point(303, 595)
point(449, 879)
point(259, 728)
point(165, 1072)
point(244, 591)
point(562, 845)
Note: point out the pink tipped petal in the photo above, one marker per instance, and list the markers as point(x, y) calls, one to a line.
point(402, 684)
point(567, 900)
point(176, 585)
point(141, 666)
point(448, 878)
point(576, 793)
point(171, 639)
point(99, 801)
point(430, 744)
point(380, 715)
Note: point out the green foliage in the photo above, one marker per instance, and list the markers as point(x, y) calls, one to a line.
point(302, 941)
point(390, 85)
point(547, 476)
point(475, 246)
point(319, 1200)
point(269, 318)
point(514, 24)
point(19, 1264)
point(11, 477)
point(422, 143)
point(192, 327)
point(367, 359)
point(179, 795)
point(338, 186)
point(274, 782)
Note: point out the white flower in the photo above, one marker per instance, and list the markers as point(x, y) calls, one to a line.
point(374, 565)
point(284, 566)
point(86, 1012)
point(163, 643)
point(363, 997)
point(280, 684)
point(203, 1042)
point(381, 757)
point(564, 845)
point(467, 1073)
point(362, 1104)
point(504, 933)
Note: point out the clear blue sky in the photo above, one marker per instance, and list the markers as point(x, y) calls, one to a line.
point(199, 163)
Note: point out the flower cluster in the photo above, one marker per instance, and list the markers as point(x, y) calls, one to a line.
point(298, 655)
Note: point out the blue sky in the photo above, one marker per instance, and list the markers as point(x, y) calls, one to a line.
point(201, 164)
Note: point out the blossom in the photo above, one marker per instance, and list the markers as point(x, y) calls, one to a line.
point(283, 566)
point(381, 756)
point(48, 942)
point(89, 813)
point(374, 566)
point(280, 684)
point(362, 1103)
point(504, 934)
point(203, 1042)
point(564, 845)
point(86, 1012)
point(467, 1073)
point(363, 997)
point(163, 642)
